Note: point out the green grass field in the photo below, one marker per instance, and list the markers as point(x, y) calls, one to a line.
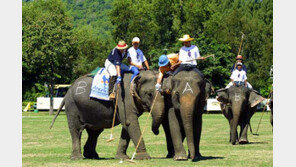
point(44, 147)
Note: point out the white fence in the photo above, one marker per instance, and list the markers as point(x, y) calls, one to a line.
point(43, 103)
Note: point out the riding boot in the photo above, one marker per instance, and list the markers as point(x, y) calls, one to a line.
point(111, 87)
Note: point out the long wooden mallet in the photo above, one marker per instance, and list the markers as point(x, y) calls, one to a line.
point(132, 159)
point(212, 55)
point(114, 115)
point(262, 114)
point(240, 46)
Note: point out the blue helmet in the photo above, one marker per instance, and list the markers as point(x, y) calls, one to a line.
point(163, 61)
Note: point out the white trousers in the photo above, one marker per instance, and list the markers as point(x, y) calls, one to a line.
point(111, 69)
point(248, 85)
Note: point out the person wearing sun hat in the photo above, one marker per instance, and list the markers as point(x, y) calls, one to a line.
point(136, 58)
point(167, 63)
point(114, 65)
point(188, 55)
point(239, 59)
point(239, 77)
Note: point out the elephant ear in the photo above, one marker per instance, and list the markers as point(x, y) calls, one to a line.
point(222, 95)
point(167, 84)
point(255, 98)
point(133, 87)
point(209, 88)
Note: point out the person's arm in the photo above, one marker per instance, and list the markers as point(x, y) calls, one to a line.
point(246, 83)
point(159, 79)
point(146, 64)
point(173, 67)
point(233, 82)
point(131, 63)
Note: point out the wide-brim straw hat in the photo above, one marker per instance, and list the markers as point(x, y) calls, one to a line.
point(186, 38)
point(121, 45)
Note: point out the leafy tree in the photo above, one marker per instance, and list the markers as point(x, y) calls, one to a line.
point(47, 43)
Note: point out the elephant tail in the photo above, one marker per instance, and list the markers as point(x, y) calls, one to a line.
point(58, 112)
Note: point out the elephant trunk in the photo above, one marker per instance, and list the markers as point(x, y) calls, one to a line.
point(236, 111)
point(157, 114)
point(187, 113)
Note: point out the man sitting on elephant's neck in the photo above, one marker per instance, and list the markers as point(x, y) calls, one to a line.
point(188, 55)
point(167, 63)
point(239, 59)
point(115, 67)
point(239, 77)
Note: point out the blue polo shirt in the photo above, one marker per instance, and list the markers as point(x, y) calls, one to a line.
point(115, 57)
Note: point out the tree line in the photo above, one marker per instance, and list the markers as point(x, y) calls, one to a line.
point(64, 39)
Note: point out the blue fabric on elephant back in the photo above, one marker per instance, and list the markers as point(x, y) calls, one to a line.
point(100, 85)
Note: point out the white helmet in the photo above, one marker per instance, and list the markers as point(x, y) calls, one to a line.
point(136, 39)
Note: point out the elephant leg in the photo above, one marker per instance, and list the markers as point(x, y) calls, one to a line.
point(134, 132)
point(123, 144)
point(230, 124)
point(170, 146)
point(180, 153)
point(243, 137)
point(91, 143)
point(75, 128)
point(197, 126)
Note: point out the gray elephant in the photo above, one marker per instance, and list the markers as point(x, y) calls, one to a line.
point(94, 115)
point(185, 98)
point(238, 106)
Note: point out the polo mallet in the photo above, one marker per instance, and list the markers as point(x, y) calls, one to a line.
point(212, 55)
point(262, 113)
point(114, 115)
point(240, 46)
point(132, 159)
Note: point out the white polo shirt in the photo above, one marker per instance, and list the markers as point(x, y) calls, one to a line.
point(238, 75)
point(137, 56)
point(189, 53)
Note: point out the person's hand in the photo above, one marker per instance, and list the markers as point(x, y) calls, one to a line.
point(173, 67)
point(140, 67)
point(147, 68)
point(202, 58)
point(246, 85)
point(158, 87)
point(118, 80)
point(233, 83)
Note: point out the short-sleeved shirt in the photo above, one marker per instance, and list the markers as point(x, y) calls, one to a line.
point(238, 75)
point(244, 68)
point(173, 59)
point(115, 57)
point(189, 53)
point(137, 56)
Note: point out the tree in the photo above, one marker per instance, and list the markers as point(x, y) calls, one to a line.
point(47, 49)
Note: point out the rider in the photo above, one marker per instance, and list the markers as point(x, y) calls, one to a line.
point(188, 55)
point(239, 59)
point(136, 58)
point(115, 67)
point(167, 63)
point(239, 77)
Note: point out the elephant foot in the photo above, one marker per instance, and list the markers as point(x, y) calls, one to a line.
point(90, 155)
point(234, 142)
point(170, 155)
point(243, 141)
point(121, 156)
point(142, 156)
point(180, 157)
point(76, 157)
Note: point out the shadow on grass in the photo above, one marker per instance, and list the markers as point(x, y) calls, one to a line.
point(203, 158)
point(195, 160)
point(255, 143)
point(99, 159)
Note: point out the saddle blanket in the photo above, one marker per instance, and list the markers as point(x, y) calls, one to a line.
point(100, 85)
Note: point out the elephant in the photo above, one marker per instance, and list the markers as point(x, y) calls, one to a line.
point(95, 115)
point(238, 105)
point(185, 98)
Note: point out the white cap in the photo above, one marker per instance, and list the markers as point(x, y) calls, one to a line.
point(136, 39)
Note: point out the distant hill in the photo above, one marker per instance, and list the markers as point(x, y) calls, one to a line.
point(92, 12)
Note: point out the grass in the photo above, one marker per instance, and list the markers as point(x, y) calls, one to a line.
point(44, 147)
